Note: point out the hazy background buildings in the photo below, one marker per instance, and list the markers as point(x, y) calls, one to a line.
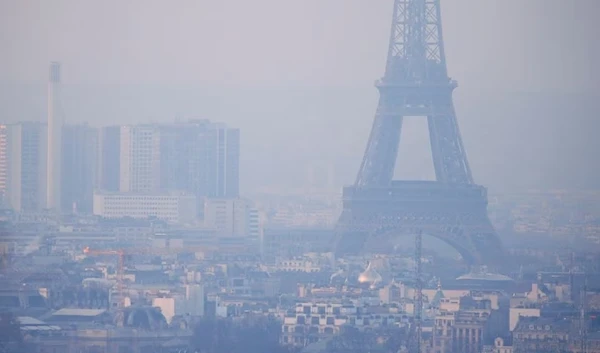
point(23, 165)
point(122, 171)
point(289, 74)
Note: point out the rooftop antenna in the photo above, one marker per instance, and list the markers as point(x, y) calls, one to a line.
point(582, 313)
point(418, 299)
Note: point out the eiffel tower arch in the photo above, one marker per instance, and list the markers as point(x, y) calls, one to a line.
point(378, 209)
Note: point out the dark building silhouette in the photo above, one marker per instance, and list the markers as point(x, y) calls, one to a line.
point(200, 157)
point(79, 167)
point(108, 159)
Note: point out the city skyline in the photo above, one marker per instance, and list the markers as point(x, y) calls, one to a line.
point(198, 157)
point(175, 184)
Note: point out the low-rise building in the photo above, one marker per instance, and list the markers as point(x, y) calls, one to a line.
point(537, 334)
point(311, 322)
point(232, 217)
point(171, 207)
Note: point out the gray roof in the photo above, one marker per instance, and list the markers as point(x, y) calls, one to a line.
point(78, 312)
point(528, 324)
point(28, 323)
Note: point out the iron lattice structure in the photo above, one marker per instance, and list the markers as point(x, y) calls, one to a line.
point(452, 208)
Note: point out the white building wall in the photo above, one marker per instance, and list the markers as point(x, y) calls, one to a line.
point(231, 217)
point(25, 157)
point(167, 307)
point(13, 188)
point(139, 158)
point(194, 294)
point(172, 208)
point(3, 165)
point(187, 209)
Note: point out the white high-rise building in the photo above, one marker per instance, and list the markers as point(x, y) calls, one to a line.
point(23, 166)
point(55, 125)
point(139, 162)
point(3, 165)
point(200, 157)
point(196, 157)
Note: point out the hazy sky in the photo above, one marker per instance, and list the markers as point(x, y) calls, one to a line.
point(291, 72)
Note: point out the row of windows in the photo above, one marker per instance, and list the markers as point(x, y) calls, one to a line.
point(140, 213)
point(140, 200)
point(141, 204)
point(171, 218)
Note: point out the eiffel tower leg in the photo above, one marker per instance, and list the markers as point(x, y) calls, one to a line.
point(478, 241)
point(377, 167)
point(350, 242)
point(378, 229)
point(352, 234)
point(486, 247)
point(449, 156)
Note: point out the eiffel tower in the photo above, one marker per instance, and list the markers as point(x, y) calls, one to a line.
point(377, 210)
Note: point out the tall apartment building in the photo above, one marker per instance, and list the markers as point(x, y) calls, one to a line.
point(227, 159)
point(79, 168)
point(3, 165)
point(139, 159)
point(23, 165)
point(109, 156)
point(197, 157)
point(200, 157)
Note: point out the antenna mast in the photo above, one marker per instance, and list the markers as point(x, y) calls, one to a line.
point(582, 313)
point(418, 300)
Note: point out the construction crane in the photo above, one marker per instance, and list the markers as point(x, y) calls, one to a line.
point(122, 253)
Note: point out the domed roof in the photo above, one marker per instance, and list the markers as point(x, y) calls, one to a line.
point(369, 276)
point(144, 317)
point(97, 283)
